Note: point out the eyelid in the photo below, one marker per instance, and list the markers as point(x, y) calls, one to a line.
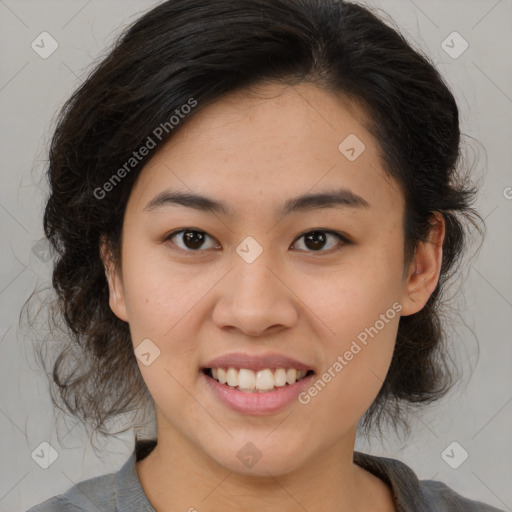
point(345, 239)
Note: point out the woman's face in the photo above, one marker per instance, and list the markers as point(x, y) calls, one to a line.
point(267, 279)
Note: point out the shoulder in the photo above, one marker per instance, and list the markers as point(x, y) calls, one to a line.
point(94, 494)
point(120, 491)
point(445, 499)
point(411, 494)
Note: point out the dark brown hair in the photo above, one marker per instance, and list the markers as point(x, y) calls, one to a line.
point(200, 49)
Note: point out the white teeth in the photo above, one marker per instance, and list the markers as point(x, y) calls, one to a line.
point(246, 379)
point(280, 377)
point(260, 381)
point(221, 375)
point(264, 380)
point(291, 375)
point(232, 377)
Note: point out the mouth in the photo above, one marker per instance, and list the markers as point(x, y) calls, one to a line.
point(261, 381)
point(256, 383)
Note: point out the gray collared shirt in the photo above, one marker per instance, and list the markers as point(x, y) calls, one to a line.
point(122, 491)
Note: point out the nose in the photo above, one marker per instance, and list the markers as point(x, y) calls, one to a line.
point(256, 299)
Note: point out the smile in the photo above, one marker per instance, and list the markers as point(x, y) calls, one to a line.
point(260, 381)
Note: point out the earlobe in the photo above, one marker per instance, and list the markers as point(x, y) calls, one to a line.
point(114, 280)
point(425, 269)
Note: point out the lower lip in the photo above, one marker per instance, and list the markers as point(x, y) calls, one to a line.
point(257, 403)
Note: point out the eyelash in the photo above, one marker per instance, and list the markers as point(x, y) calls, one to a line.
point(341, 237)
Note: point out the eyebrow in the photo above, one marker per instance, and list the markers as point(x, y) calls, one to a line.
point(340, 198)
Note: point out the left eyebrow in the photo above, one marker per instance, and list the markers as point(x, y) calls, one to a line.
point(340, 198)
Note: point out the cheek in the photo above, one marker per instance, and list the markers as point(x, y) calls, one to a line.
point(160, 307)
point(351, 297)
point(158, 295)
point(356, 364)
point(361, 310)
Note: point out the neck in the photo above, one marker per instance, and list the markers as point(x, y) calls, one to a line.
point(178, 473)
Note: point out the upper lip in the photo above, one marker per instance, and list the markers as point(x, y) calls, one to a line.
point(256, 362)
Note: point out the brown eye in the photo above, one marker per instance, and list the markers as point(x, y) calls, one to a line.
point(316, 240)
point(192, 239)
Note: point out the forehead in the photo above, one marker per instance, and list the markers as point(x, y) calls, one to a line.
point(256, 148)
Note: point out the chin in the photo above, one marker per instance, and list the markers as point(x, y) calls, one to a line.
point(259, 457)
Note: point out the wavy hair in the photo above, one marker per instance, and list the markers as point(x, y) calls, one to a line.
point(201, 49)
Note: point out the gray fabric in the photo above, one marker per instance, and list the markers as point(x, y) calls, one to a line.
point(122, 492)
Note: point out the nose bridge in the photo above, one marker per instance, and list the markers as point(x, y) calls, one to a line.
point(256, 297)
point(256, 268)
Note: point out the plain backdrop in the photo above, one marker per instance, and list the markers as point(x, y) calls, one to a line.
point(477, 415)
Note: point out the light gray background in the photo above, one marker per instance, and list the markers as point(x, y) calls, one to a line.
point(478, 415)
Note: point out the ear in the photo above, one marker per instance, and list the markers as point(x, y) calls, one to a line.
point(114, 279)
point(424, 271)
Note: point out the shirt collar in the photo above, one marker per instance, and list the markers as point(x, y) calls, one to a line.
point(129, 494)
point(405, 486)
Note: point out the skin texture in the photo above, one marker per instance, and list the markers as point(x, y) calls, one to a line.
point(253, 150)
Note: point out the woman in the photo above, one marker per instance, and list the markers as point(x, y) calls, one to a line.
point(256, 206)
